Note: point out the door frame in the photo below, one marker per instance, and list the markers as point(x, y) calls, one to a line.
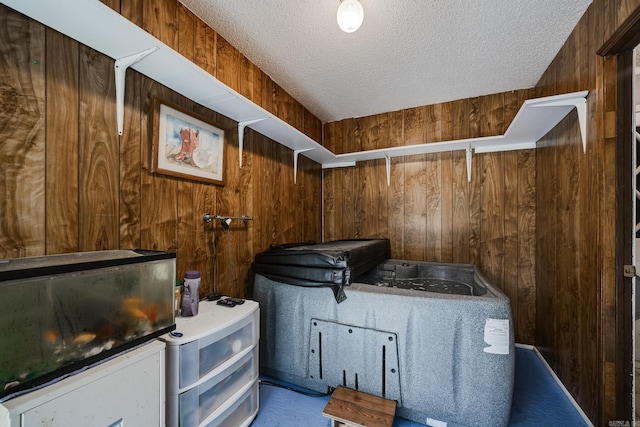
point(621, 45)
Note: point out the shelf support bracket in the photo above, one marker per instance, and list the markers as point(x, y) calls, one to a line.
point(241, 126)
point(121, 66)
point(387, 161)
point(581, 109)
point(295, 162)
point(469, 151)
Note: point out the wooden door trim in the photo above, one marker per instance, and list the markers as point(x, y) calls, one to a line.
point(621, 44)
point(625, 232)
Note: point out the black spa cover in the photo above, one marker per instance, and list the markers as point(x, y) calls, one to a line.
point(335, 264)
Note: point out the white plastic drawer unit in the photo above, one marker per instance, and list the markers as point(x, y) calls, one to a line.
point(213, 366)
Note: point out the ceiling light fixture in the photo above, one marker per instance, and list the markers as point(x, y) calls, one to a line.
point(350, 15)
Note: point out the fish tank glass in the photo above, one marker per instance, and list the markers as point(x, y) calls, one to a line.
point(60, 313)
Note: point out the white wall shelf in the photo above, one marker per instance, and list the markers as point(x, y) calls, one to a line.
point(535, 118)
point(96, 25)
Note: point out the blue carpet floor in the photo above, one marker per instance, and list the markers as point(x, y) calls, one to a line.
point(537, 401)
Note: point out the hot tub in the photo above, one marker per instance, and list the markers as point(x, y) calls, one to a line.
point(435, 337)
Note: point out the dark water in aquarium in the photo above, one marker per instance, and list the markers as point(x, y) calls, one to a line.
point(55, 321)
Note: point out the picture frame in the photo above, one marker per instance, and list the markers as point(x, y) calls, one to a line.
point(186, 145)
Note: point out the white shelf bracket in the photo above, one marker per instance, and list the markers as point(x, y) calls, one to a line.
point(387, 161)
point(241, 126)
point(121, 66)
point(581, 109)
point(469, 151)
point(295, 162)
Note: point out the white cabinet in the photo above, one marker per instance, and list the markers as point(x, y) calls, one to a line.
point(212, 368)
point(126, 390)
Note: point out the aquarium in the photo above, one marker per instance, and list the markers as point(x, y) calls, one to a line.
point(59, 313)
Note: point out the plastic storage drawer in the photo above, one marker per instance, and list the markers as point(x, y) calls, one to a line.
point(212, 364)
point(241, 412)
point(196, 359)
point(200, 401)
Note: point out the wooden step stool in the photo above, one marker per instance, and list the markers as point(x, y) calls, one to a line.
point(351, 408)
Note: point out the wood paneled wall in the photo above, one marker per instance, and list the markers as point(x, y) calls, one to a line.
point(576, 211)
point(430, 211)
point(70, 183)
point(563, 202)
point(539, 222)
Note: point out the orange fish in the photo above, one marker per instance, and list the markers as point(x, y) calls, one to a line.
point(152, 312)
point(51, 336)
point(131, 303)
point(84, 338)
point(137, 313)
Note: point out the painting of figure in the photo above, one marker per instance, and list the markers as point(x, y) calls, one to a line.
point(186, 145)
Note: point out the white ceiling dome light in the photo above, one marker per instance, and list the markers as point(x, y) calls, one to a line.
point(350, 15)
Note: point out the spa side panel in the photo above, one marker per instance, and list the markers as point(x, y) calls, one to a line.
point(446, 356)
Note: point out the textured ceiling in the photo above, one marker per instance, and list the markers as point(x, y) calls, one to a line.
point(407, 52)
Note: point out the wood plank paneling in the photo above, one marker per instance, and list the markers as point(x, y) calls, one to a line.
point(158, 218)
point(415, 200)
point(227, 64)
point(186, 214)
point(98, 154)
point(373, 178)
point(395, 193)
point(312, 126)
point(312, 193)
point(475, 195)
point(132, 10)
point(575, 218)
point(432, 196)
point(62, 147)
point(99, 191)
point(590, 175)
point(160, 19)
point(434, 193)
point(355, 209)
point(205, 52)
point(569, 288)
point(446, 181)
point(492, 191)
point(430, 211)
point(546, 193)
point(22, 147)
point(131, 164)
point(526, 248)
point(460, 184)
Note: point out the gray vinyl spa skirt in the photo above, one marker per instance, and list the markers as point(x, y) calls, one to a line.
point(437, 338)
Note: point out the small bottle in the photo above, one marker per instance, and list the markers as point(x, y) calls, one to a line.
point(190, 293)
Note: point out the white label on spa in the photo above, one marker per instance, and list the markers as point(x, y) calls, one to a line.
point(496, 334)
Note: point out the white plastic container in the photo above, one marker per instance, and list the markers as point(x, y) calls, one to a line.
point(212, 369)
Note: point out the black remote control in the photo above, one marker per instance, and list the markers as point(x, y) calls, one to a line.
point(214, 296)
point(226, 302)
point(238, 301)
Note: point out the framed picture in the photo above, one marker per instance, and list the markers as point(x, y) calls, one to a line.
point(186, 145)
